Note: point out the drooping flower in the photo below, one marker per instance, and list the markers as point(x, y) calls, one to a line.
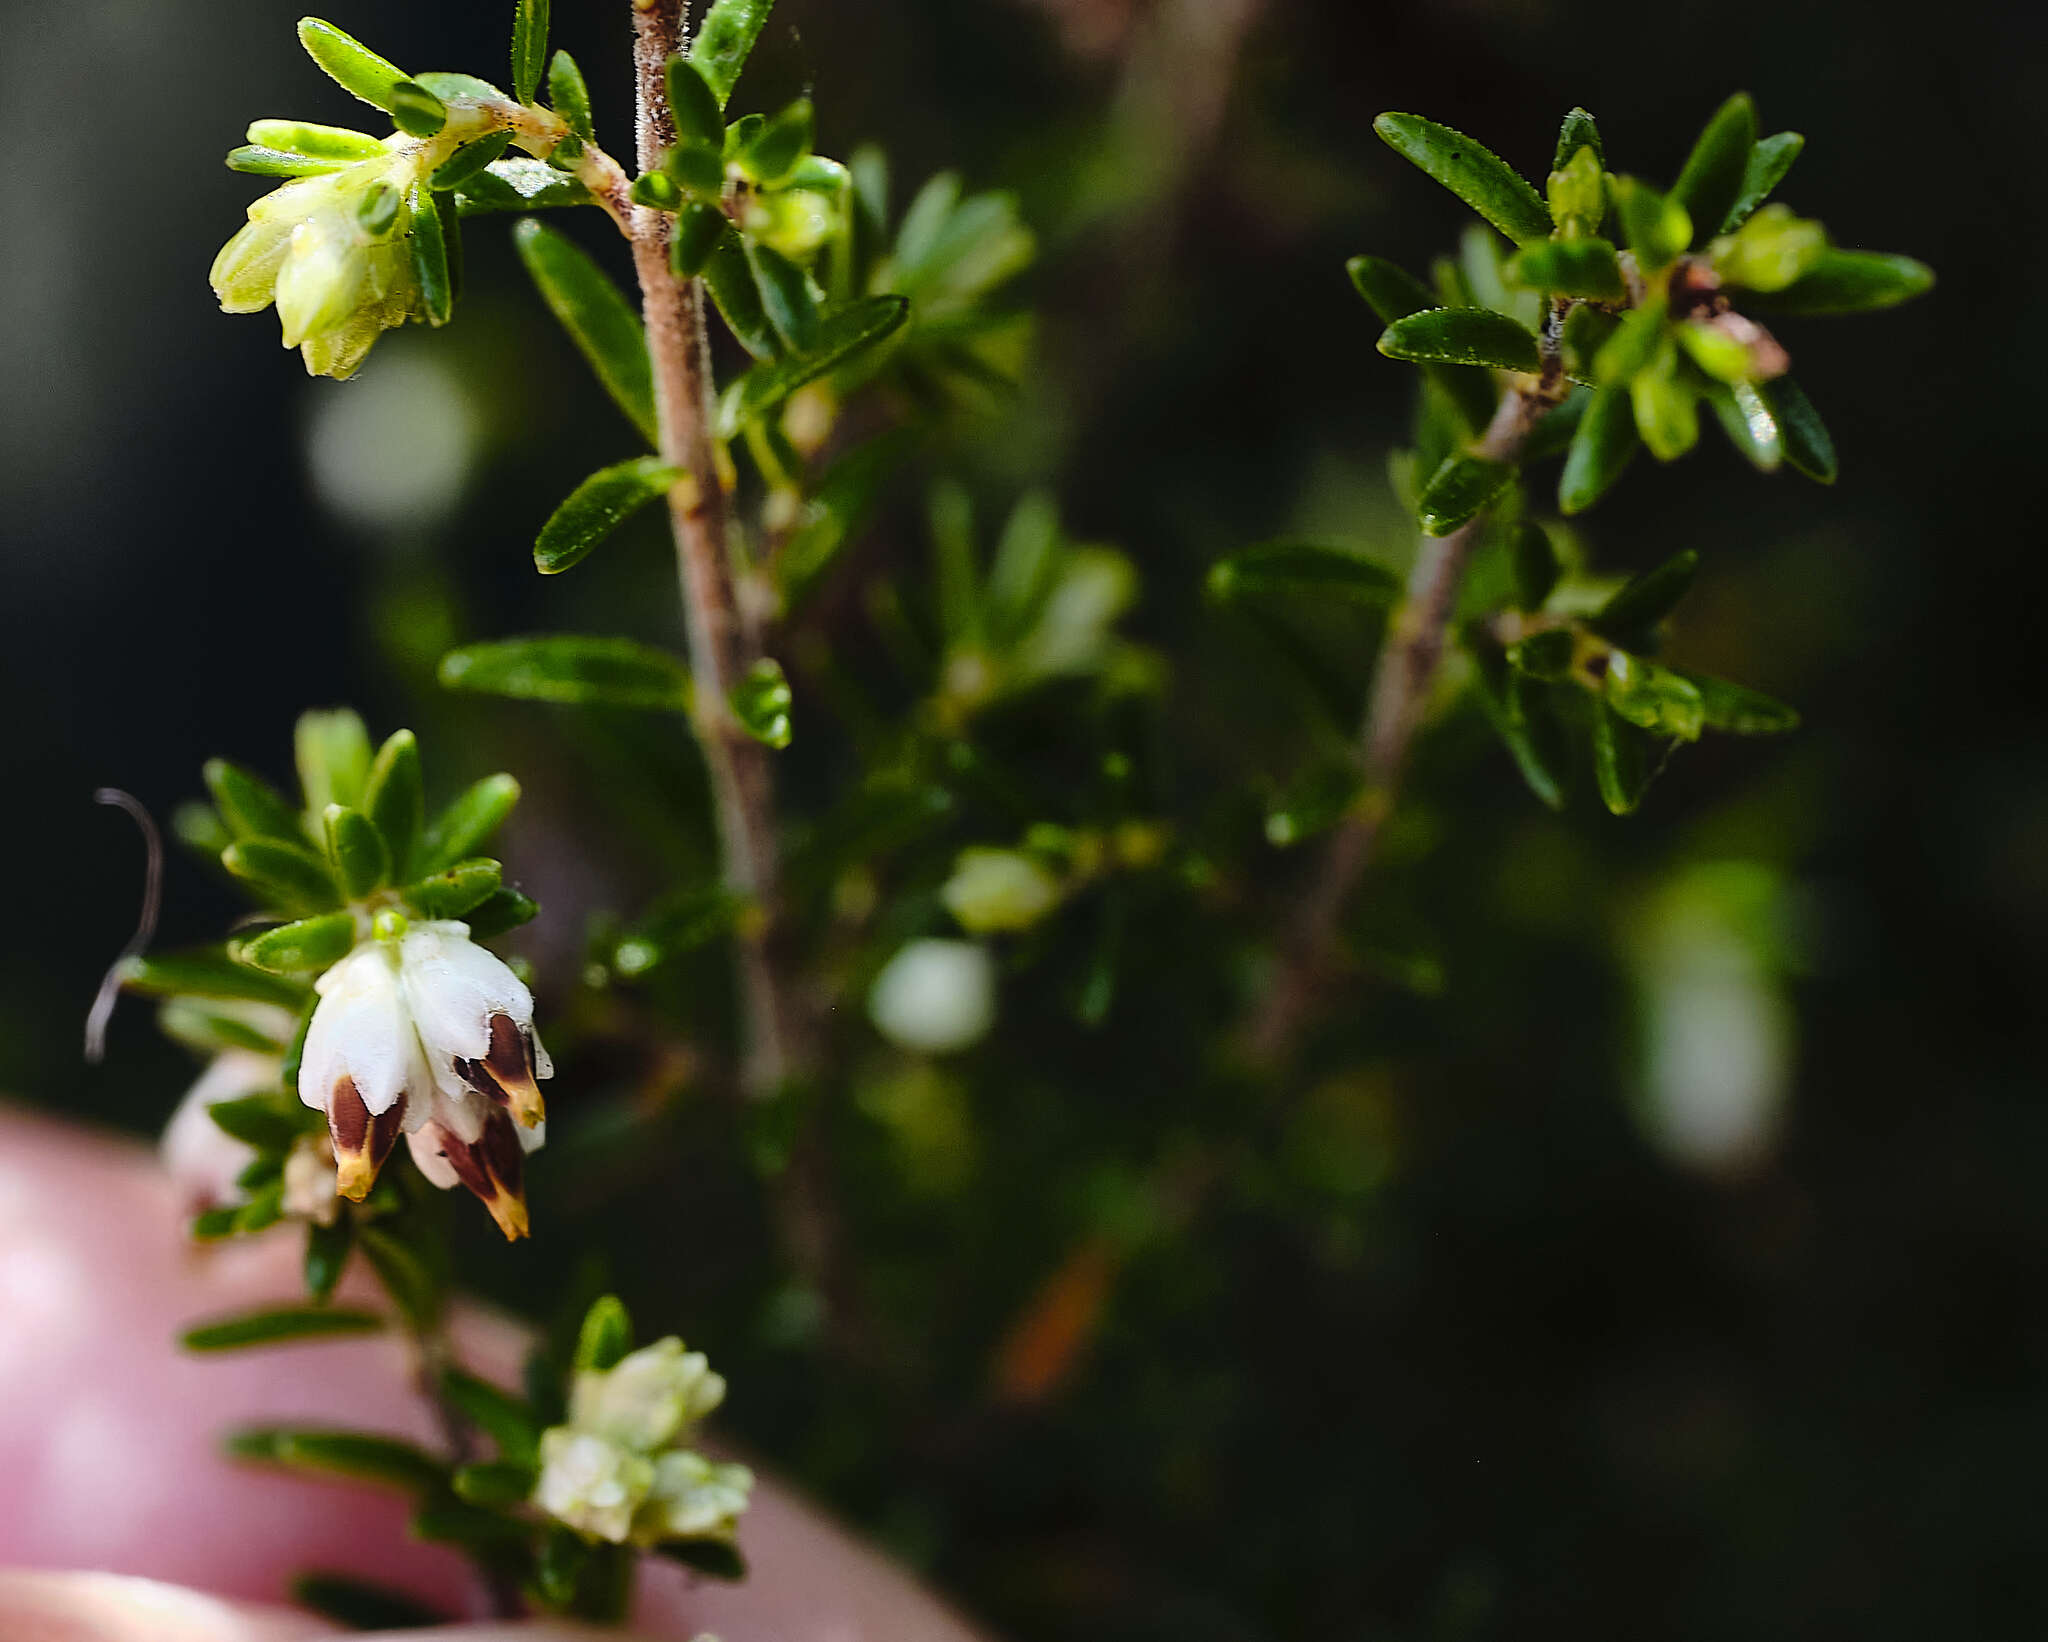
point(334, 253)
point(425, 1033)
point(201, 1158)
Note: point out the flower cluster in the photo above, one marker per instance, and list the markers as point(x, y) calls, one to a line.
point(421, 1031)
point(621, 1470)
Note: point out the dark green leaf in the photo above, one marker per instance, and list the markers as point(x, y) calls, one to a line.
point(251, 807)
point(445, 1520)
point(327, 1250)
point(1312, 804)
point(211, 1225)
point(559, 1569)
point(1646, 600)
point(713, 1558)
point(1477, 176)
point(355, 851)
point(359, 1455)
point(1601, 449)
point(208, 972)
point(460, 169)
point(210, 1029)
point(290, 877)
point(595, 314)
point(1666, 404)
point(360, 1605)
point(499, 911)
point(724, 39)
point(351, 65)
point(1556, 428)
point(1546, 655)
point(657, 189)
point(1577, 132)
point(263, 1210)
point(1571, 267)
point(1462, 336)
point(1768, 163)
point(506, 1419)
point(698, 229)
point(1302, 567)
point(407, 1279)
point(1535, 564)
point(681, 923)
point(842, 334)
point(270, 1122)
point(466, 823)
point(1849, 282)
point(606, 1336)
point(729, 276)
point(415, 110)
point(1390, 289)
point(761, 702)
point(1735, 709)
point(1518, 708)
point(529, 46)
point(395, 801)
point(1712, 182)
point(430, 261)
point(1637, 343)
point(569, 96)
point(783, 141)
point(278, 1326)
point(494, 1482)
point(786, 297)
point(1625, 760)
point(693, 105)
point(519, 184)
point(573, 669)
point(1654, 698)
point(1807, 444)
point(1459, 491)
point(597, 507)
point(451, 893)
point(1746, 417)
point(302, 948)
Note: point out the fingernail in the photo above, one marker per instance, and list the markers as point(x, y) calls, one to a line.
point(83, 1607)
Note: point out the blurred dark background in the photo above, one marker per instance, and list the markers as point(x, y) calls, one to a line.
point(1667, 1259)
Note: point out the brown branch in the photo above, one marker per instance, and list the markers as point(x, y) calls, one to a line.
point(1395, 712)
point(721, 645)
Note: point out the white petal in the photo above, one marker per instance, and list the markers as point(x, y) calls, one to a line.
point(453, 987)
point(197, 1154)
point(425, 1146)
point(360, 1031)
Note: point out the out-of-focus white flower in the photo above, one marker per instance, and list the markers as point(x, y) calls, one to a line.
point(201, 1158)
point(309, 1182)
point(649, 1398)
point(935, 996)
point(694, 1498)
point(591, 1484)
point(429, 1034)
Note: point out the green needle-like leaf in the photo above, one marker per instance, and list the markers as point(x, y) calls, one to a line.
point(841, 335)
point(1848, 282)
point(713, 1558)
point(1654, 698)
point(506, 1419)
point(289, 876)
point(693, 105)
point(1808, 446)
point(1712, 182)
point(452, 892)
point(465, 824)
point(251, 807)
point(361, 1605)
point(1474, 173)
point(597, 507)
point(786, 298)
point(596, 316)
point(605, 1337)
point(327, 1252)
point(270, 1122)
point(569, 96)
point(723, 41)
point(572, 669)
point(323, 142)
point(1519, 709)
point(1624, 760)
point(1646, 600)
point(1391, 291)
point(529, 46)
point(1303, 568)
point(729, 277)
point(1735, 709)
point(304, 947)
point(394, 799)
point(355, 851)
point(416, 110)
point(256, 161)
point(499, 911)
point(278, 1325)
point(430, 256)
point(1459, 491)
point(349, 63)
point(761, 702)
point(208, 972)
point(494, 1482)
point(463, 167)
point(358, 1455)
point(1536, 566)
point(781, 143)
point(1462, 336)
point(1746, 417)
point(1768, 163)
point(1602, 448)
point(1577, 132)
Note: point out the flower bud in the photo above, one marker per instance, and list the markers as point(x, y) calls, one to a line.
point(649, 1398)
point(1578, 197)
point(693, 1498)
point(591, 1484)
point(997, 889)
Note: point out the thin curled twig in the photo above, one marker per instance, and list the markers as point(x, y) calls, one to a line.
point(109, 994)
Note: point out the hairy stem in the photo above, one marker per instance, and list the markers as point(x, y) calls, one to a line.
point(1396, 709)
point(722, 646)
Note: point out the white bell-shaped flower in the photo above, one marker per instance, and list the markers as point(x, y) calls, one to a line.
point(362, 1064)
point(201, 1158)
point(475, 1021)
